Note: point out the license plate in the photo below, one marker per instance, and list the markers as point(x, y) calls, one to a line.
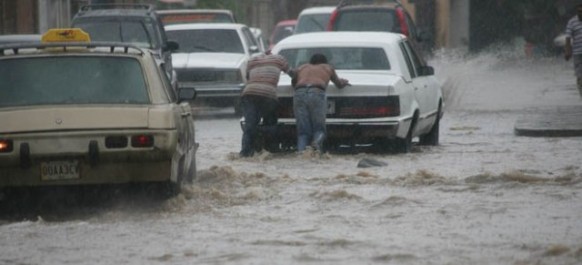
point(58, 170)
point(330, 107)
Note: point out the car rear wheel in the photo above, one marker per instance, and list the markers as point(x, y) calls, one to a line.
point(404, 145)
point(432, 137)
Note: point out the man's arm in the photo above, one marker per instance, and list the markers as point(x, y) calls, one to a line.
point(568, 48)
point(338, 82)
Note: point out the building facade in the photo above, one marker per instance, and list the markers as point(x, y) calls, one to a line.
point(468, 24)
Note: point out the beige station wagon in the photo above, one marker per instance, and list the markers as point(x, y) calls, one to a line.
point(78, 113)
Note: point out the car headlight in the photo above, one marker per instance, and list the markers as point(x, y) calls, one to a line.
point(232, 76)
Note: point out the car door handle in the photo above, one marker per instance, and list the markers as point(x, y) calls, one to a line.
point(186, 114)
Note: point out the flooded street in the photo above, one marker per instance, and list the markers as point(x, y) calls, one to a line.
point(483, 196)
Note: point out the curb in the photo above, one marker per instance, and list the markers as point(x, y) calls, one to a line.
point(563, 121)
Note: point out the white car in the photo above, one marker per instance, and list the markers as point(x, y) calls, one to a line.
point(392, 99)
point(313, 19)
point(212, 58)
point(85, 113)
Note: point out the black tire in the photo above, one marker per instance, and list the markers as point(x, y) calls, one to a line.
point(432, 137)
point(405, 145)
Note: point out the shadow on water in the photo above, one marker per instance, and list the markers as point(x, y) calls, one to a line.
point(65, 203)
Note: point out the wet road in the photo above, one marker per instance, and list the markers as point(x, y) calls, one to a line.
point(483, 196)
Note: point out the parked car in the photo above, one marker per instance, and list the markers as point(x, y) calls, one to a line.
point(282, 29)
point(19, 38)
point(393, 99)
point(183, 16)
point(387, 17)
point(137, 24)
point(212, 58)
point(87, 113)
point(186, 16)
point(313, 19)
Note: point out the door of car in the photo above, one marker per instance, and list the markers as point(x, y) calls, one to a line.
point(424, 90)
point(251, 42)
point(183, 113)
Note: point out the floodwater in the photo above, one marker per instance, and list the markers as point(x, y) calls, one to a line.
point(483, 196)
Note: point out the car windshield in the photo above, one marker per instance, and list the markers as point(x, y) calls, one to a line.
point(72, 80)
point(312, 23)
point(342, 58)
point(130, 31)
point(366, 20)
point(182, 18)
point(207, 40)
point(282, 32)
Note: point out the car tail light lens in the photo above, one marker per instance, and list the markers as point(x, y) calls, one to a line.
point(6, 146)
point(142, 141)
point(383, 111)
point(402, 20)
point(116, 141)
point(286, 111)
point(332, 19)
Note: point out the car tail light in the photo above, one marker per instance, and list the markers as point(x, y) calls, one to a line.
point(380, 111)
point(286, 111)
point(332, 19)
point(142, 140)
point(402, 20)
point(116, 141)
point(6, 146)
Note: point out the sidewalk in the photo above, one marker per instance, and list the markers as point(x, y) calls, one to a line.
point(561, 121)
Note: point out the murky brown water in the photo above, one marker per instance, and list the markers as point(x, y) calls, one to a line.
point(483, 196)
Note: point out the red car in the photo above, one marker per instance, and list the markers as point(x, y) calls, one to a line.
point(282, 30)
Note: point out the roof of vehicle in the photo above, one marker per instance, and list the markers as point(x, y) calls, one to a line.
point(317, 10)
point(235, 26)
point(69, 47)
point(390, 5)
point(115, 10)
point(181, 11)
point(287, 22)
point(18, 38)
point(330, 38)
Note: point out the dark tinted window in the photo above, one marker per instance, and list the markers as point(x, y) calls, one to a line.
point(207, 40)
point(346, 58)
point(312, 23)
point(72, 80)
point(282, 32)
point(367, 20)
point(140, 33)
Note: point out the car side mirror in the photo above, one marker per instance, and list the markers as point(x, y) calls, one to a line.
point(254, 49)
point(186, 94)
point(426, 70)
point(172, 46)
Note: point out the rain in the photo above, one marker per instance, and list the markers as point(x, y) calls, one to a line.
point(484, 195)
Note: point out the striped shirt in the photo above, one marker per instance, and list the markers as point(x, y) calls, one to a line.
point(574, 31)
point(263, 72)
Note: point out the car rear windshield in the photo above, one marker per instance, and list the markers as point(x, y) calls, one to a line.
point(312, 23)
point(72, 80)
point(366, 20)
point(181, 18)
point(282, 32)
point(207, 40)
point(138, 32)
point(341, 58)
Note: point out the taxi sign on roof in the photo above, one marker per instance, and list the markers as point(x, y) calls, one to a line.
point(66, 35)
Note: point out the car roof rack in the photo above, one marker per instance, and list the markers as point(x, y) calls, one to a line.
point(113, 46)
point(148, 7)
